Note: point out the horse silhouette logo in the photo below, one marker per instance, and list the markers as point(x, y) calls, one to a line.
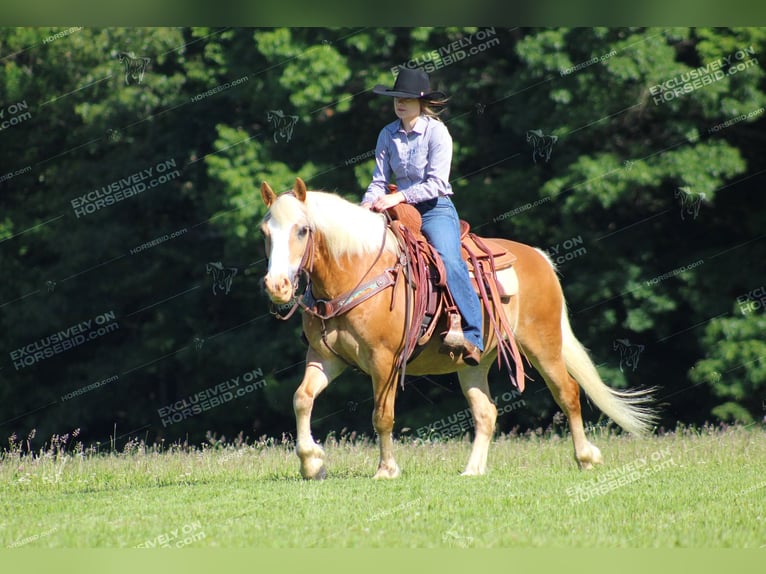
point(542, 145)
point(222, 276)
point(690, 202)
point(283, 125)
point(629, 353)
point(134, 68)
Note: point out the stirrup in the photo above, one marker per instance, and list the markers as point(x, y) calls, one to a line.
point(453, 340)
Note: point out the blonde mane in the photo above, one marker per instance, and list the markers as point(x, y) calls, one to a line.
point(348, 229)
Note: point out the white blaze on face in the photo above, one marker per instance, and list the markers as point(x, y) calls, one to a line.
point(279, 258)
point(287, 245)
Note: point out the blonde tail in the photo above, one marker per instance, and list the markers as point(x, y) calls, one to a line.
point(629, 409)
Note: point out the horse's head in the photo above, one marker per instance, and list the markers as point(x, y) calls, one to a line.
point(287, 234)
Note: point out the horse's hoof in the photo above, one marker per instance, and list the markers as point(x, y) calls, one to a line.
point(388, 473)
point(314, 469)
point(591, 456)
point(320, 474)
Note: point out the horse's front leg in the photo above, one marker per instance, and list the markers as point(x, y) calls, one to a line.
point(384, 390)
point(319, 372)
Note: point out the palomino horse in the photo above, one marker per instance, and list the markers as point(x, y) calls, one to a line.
point(339, 244)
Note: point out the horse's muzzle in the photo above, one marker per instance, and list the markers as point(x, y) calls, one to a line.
point(280, 289)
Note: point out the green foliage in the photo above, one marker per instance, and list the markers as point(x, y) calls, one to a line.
point(208, 100)
point(735, 366)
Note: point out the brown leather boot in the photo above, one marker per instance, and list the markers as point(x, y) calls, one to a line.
point(471, 354)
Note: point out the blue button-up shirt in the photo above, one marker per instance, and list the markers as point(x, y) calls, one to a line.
point(419, 161)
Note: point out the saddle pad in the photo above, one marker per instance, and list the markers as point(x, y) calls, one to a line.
point(507, 278)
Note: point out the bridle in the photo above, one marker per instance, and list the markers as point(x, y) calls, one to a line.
point(305, 268)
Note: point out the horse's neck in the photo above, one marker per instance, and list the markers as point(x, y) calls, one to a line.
point(331, 277)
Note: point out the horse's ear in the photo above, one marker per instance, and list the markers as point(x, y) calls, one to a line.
point(267, 194)
point(299, 189)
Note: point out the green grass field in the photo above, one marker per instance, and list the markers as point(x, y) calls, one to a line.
point(692, 488)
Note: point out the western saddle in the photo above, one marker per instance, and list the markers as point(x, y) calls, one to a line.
point(432, 297)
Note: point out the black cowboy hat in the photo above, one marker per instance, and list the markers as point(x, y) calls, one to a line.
point(410, 84)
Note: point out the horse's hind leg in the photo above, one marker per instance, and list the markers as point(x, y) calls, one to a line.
point(566, 392)
point(540, 335)
point(473, 382)
point(319, 372)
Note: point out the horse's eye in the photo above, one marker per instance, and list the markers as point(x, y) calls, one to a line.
point(303, 231)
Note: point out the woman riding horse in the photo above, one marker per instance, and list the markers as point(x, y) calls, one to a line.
point(417, 150)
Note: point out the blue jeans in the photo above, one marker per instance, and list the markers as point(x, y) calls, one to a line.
point(441, 228)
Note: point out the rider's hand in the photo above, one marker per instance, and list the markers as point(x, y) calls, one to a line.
point(388, 200)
